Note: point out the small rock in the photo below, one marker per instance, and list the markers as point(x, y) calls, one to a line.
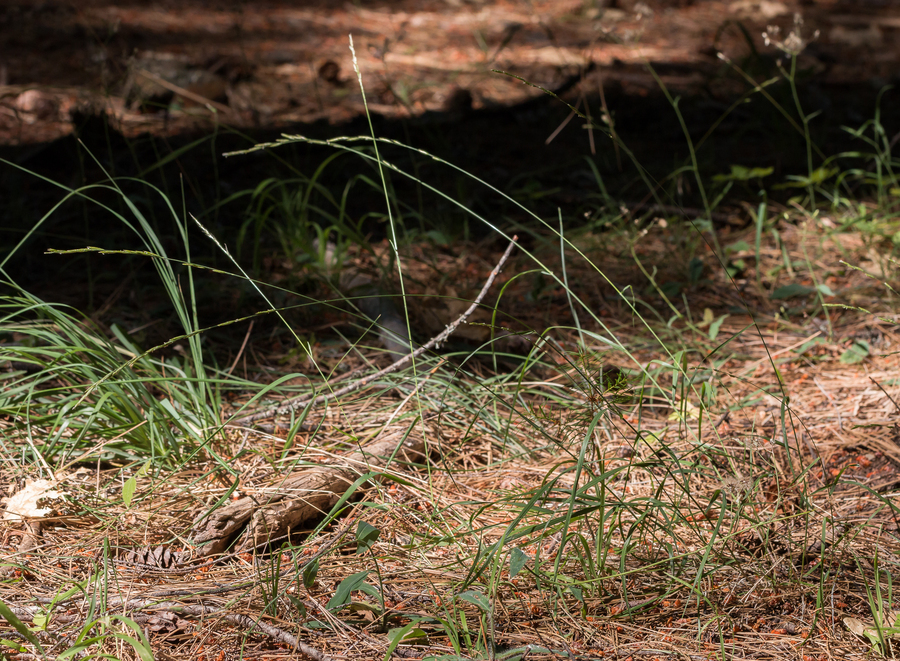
point(36, 105)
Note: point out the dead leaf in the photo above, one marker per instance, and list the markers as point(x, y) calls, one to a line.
point(857, 626)
point(25, 504)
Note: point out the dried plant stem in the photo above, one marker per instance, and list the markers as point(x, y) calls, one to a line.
point(247, 623)
point(437, 340)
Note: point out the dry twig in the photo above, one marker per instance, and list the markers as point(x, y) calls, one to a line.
point(436, 341)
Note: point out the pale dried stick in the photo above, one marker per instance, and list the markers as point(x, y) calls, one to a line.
point(393, 367)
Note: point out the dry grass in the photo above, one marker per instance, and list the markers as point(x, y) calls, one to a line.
point(593, 522)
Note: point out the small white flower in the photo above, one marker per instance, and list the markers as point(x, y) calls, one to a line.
point(794, 43)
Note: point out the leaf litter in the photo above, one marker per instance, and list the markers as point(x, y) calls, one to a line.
point(740, 506)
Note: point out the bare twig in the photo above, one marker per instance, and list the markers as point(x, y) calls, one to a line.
point(187, 94)
point(273, 632)
point(248, 623)
point(437, 340)
point(886, 394)
point(151, 601)
point(243, 346)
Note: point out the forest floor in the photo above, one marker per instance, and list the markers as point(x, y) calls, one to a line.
point(676, 482)
point(639, 447)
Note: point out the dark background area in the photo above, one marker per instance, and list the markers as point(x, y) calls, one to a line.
point(81, 100)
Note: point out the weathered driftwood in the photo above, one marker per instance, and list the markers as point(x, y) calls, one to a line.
point(302, 497)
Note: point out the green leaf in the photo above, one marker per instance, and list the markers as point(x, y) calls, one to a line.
point(370, 590)
point(40, 621)
point(342, 595)
point(736, 266)
point(792, 290)
point(577, 593)
point(407, 632)
point(13, 644)
point(142, 650)
point(738, 246)
point(806, 346)
point(141, 645)
point(742, 173)
point(477, 598)
point(695, 270)
point(83, 643)
point(19, 626)
point(818, 177)
point(416, 633)
point(366, 536)
point(310, 573)
point(857, 353)
point(517, 560)
point(299, 605)
point(128, 490)
point(825, 290)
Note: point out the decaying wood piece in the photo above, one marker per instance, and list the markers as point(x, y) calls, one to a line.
point(301, 497)
point(164, 615)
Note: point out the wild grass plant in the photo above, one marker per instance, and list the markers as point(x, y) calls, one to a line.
point(686, 460)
